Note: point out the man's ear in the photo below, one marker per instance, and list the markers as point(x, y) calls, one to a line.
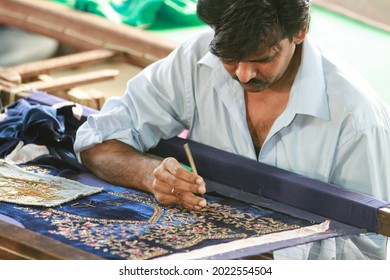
point(300, 36)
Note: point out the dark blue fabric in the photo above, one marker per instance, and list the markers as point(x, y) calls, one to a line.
point(121, 223)
point(317, 197)
point(31, 122)
point(49, 99)
point(7, 144)
point(53, 165)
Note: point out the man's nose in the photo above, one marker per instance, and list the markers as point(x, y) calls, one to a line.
point(245, 72)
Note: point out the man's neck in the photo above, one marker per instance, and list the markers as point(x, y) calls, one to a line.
point(263, 109)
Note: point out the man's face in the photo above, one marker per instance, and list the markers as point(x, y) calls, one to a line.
point(264, 69)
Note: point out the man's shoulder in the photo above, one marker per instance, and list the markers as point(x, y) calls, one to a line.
point(349, 94)
point(344, 81)
point(199, 42)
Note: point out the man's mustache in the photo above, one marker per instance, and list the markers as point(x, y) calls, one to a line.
point(251, 82)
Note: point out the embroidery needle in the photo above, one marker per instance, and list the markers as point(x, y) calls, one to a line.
point(190, 158)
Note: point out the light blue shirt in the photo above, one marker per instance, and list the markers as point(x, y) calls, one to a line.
point(334, 128)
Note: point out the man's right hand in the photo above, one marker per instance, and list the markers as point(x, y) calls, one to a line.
point(120, 164)
point(174, 184)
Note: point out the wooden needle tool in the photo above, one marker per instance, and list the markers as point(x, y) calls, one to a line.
point(190, 158)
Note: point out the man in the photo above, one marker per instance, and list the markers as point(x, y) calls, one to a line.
point(255, 86)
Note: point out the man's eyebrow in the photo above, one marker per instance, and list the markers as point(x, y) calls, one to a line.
point(264, 57)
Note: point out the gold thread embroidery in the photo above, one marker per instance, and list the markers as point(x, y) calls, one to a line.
point(169, 227)
point(14, 188)
point(157, 209)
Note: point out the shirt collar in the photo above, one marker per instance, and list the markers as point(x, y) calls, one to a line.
point(309, 86)
point(219, 76)
point(210, 60)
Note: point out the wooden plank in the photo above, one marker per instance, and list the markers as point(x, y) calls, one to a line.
point(9, 76)
point(19, 243)
point(92, 98)
point(374, 14)
point(83, 30)
point(384, 221)
point(58, 84)
point(33, 69)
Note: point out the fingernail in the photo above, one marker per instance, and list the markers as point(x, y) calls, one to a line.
point(199, 181)
point(201, 189)
point(202, 203)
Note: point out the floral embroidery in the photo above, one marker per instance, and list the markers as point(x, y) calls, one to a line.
point(166, 230)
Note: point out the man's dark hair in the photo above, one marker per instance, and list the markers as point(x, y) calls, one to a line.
point(243, 27)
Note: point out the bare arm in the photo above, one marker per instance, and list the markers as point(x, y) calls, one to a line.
point(120, 164)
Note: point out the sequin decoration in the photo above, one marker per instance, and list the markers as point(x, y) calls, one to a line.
point(164, 231)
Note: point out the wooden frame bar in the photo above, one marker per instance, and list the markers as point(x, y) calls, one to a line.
point(33, 69)
point(15, 81)
point(18, 243)
point(58, 84)
point(371, 12)
point(384, 221)
point(84, 31)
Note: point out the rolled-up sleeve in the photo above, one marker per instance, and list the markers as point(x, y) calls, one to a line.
point(158, 104)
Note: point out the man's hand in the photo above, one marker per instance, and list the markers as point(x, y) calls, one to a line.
point(174, 184)
point(122, 165)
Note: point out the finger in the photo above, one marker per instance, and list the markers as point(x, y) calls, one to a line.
point(197, 184)
point(181, 197)
point(178, 171)
point(167, 179)
point(172, 165)
point(188, 199)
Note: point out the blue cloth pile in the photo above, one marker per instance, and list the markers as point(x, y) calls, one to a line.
point(34, 123)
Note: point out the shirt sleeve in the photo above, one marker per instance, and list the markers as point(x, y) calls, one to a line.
point(157, 105)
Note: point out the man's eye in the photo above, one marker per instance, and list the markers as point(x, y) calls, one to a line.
point(228, 61)
point(268, 59)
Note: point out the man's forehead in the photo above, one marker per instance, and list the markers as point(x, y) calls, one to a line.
point(269, 50)
point(264, 51)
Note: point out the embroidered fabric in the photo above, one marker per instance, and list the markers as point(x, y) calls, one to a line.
point(250, 242)
point(27, 188)
point(120, 223)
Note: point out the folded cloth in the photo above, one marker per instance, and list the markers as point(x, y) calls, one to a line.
point(25, 153)
point(38, 124)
